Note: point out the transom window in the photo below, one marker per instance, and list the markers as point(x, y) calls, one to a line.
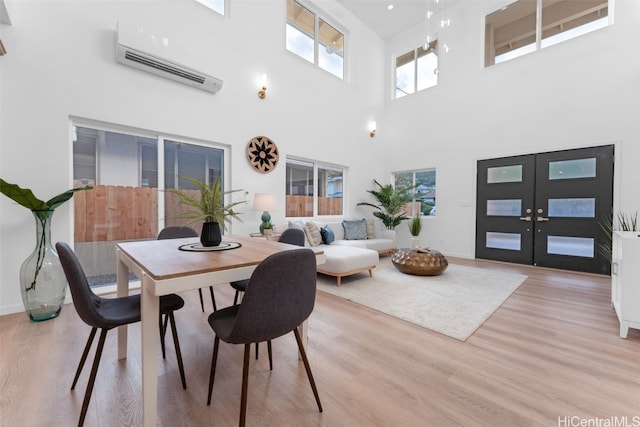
point(424, 196)
point(529, 25)
point(312, 38)
point(313, 189)
point(417, 69)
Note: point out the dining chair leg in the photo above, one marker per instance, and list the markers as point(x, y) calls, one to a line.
point(176, 344)
point(201, 300)
point(92, 377)
point(270, 355)
point(235, 298)
point(162, 327)
point(83, 359)
point(216, 344)
point(257, 345)
point(307, 368)
point(213, 299)
point(245, 386)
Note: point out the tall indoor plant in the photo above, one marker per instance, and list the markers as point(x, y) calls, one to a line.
point(208, 207)
point(42, 280)
point(391, 202)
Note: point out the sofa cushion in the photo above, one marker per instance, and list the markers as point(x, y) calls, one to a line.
point(312, 230)
point(345, 259)
point(355, 229)
point(327, 235)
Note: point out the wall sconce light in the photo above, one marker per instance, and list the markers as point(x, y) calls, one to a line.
point(372, 129)
point(262, 92)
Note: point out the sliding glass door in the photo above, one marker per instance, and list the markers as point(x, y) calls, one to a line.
point(129, 171)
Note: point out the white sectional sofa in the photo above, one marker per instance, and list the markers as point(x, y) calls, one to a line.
point(351, 250)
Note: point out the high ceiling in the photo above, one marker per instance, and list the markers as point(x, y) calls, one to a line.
point(387, 23)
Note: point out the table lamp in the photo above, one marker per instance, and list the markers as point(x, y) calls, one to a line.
point(265, 202)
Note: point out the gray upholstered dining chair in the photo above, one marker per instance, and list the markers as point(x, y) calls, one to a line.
point(280, 296)
point(108, 313)
point(178, 232)
point(292, 236)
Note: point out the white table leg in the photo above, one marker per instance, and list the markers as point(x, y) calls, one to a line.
point(123, 291)
point(150, 341)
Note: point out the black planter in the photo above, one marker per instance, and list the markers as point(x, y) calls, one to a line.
point(210, 235)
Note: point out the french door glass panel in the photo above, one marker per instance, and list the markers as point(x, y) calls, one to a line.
point(572, 169)
point(508, 241)
point(574, 246)
point(510, 173)
point(511, 207)
point(572, 208)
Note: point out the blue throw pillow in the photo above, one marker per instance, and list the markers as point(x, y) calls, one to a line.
point(355, 229)
point(327, 235)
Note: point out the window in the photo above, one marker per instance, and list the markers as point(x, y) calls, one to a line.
point(424, 198)
point(313, 189)
point(314, 39)
point(215, 5)
point(417, 69)
point(129, 172)
point(529, 25)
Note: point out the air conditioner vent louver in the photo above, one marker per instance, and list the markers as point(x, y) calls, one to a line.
point(141, 59)
point(155, 53)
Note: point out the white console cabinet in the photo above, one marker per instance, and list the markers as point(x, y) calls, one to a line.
point(625, 279)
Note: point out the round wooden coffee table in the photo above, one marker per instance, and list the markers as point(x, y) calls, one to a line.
point(410, 261)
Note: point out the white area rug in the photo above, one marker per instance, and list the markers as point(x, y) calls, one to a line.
point(455, 304)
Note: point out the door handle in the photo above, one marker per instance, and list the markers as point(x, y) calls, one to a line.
point(525, 218)
point(541, 219)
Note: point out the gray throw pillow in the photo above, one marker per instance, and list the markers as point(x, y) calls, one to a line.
point(355, 229)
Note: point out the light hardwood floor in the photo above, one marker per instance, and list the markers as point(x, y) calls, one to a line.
point(551, 351)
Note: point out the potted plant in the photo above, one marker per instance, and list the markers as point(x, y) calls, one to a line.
point(267, 228)
point(42, 280)
point(392, 202)
point(622, 222)
point(208, 207)
point(415, 227)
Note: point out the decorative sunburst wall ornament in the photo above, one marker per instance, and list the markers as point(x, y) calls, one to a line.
point(262, 154)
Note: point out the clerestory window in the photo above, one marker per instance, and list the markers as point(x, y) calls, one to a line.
point(417, 69)
point(529, 25)
point(314, 39)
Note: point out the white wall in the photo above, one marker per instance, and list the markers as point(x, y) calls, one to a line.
point(580, 93)
point(61, 64)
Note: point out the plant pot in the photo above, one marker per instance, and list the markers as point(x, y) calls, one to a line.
point(43, 283)
point(210, 235)
point(415, 242)
point(268, 232)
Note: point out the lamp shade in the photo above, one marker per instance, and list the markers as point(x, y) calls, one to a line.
point(265, 202)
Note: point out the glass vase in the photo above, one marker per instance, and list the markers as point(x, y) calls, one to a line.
point(42, 280)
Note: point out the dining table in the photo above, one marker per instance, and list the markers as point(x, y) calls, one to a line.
point(177, 265)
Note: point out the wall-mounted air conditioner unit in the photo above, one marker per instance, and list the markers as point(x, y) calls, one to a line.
point(150, 51)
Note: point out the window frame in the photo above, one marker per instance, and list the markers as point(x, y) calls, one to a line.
point(316, 165)
point(418, 52)
point(543, 36)
point(414, 172)
point(319, 15)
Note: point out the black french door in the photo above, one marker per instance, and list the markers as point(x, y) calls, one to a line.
point(546, 209)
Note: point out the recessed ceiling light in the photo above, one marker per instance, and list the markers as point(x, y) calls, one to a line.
point(390, 7)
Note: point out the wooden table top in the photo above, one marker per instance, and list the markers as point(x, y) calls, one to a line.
point(161, 259)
